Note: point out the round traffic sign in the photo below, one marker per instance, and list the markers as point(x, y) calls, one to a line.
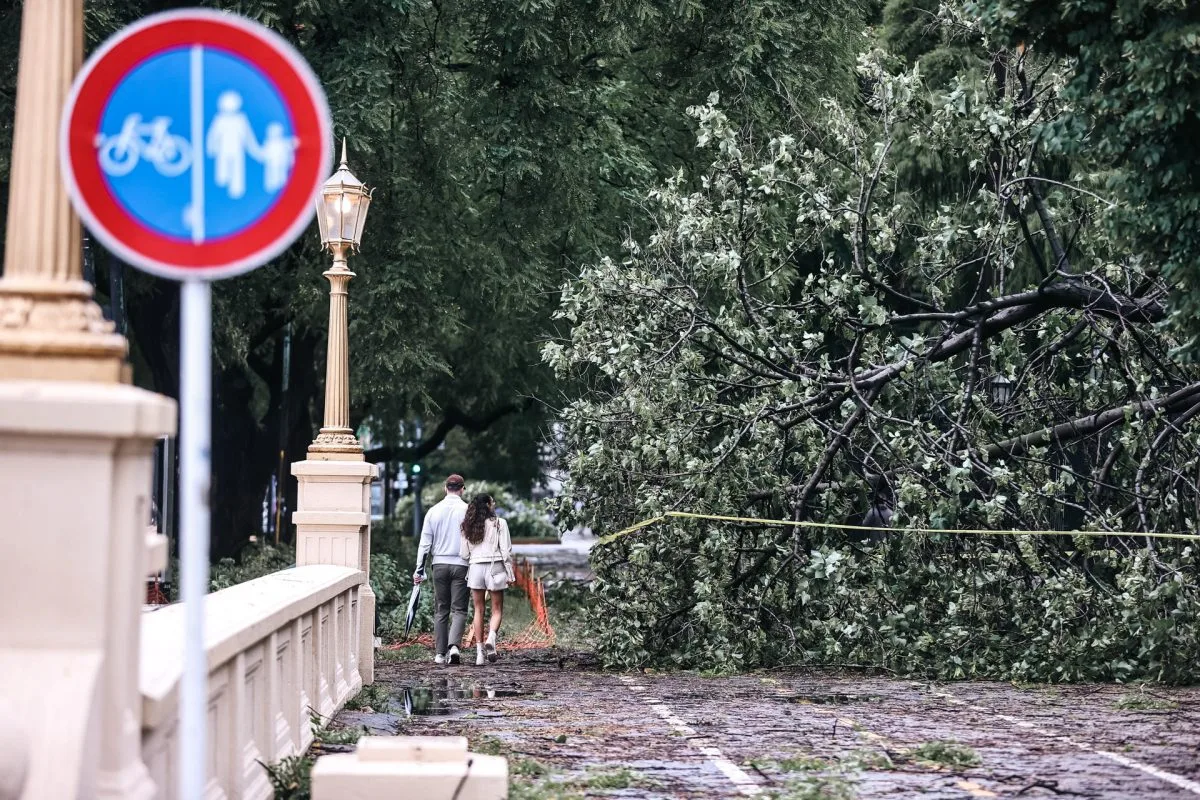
point(194, 143)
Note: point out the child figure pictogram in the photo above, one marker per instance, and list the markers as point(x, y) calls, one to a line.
point(277, 154)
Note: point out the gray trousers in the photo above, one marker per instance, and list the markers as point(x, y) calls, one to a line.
point(449, 594)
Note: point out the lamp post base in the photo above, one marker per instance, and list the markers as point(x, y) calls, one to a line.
point(335, 444)
point(333, 526)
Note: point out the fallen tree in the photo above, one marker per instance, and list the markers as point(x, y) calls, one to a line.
point(915, 306)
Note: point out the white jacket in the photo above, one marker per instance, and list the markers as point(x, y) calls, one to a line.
point(441, 532)
point(496, 544)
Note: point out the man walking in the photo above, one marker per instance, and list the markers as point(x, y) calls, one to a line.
point(441, 535)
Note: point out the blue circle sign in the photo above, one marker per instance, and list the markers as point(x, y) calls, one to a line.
point(194, 144)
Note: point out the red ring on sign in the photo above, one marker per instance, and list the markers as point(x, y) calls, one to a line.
point(175, 256)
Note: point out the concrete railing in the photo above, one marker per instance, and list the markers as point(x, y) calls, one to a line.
point(279, 649)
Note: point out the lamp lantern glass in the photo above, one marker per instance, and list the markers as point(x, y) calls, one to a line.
point(342, 208)
point(1002, 390)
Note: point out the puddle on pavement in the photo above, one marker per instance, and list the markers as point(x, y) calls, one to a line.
point(444, 698)
point(833, 699)
point(447, 698)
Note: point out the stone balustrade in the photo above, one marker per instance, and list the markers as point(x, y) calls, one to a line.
point(280, 648)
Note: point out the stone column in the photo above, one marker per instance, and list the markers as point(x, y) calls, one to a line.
point(49, 325)
point(75, 466)
point(337, 441)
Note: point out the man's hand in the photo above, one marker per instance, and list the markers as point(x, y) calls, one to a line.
point(418, 577)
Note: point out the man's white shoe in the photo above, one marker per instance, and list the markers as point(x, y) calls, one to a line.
point(439, 659)
point(453, 657)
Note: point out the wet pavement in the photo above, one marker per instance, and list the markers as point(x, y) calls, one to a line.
point(570, 730)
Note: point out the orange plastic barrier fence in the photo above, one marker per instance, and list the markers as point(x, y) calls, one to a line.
point(155, 596)
point(539, 633)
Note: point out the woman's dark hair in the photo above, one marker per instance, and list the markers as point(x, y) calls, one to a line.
point(479, 511)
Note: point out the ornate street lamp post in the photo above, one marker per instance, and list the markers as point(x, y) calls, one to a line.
point(341, 213)
point(335, 458)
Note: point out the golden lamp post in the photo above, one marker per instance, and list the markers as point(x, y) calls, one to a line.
point(341, 213)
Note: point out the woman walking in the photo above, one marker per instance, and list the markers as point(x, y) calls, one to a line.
point(487, 548)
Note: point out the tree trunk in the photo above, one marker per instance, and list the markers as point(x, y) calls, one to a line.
point(241, 465)
point(246, 449)
point(301, 424)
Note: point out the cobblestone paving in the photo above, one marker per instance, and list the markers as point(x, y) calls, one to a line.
point(796, 734)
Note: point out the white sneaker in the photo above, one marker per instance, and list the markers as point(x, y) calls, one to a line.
point(489, 646)
point(479, 662)
point(439, 659)
point(453, 657)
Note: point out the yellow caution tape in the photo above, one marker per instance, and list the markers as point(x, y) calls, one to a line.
point(808, 524)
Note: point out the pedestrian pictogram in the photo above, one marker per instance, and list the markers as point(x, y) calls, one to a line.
point(194, 143)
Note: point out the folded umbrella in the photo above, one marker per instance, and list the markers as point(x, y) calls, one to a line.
point(412, 604)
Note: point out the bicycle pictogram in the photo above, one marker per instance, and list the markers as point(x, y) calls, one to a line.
point(170, 154)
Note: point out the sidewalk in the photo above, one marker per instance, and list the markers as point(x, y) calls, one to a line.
point(572, 732)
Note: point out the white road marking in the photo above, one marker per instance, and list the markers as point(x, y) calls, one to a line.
point(1170, 777)
point(1162, 775)
point(744, 783)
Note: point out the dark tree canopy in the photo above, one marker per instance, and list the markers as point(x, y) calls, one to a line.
point(1134, 87)
point(507, 144)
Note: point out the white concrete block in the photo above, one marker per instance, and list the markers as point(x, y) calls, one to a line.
point(393, 768)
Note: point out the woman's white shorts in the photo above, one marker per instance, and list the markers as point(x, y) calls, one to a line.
point(490, 576)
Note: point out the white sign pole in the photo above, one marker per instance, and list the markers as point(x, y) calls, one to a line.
point(195, 467)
